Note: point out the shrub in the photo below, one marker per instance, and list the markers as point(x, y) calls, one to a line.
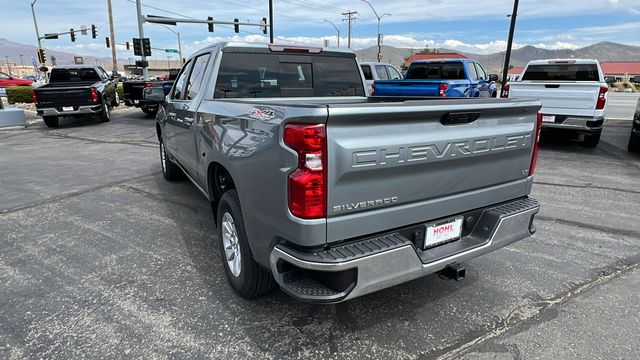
point(120, 91)
point(19, 94)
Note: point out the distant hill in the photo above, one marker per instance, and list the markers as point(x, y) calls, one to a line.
point(603, 51)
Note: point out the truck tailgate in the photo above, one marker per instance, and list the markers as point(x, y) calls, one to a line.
point(560, 98)
point(407, 88)
point(133, 89)
point(395, 164)
point(68, 96)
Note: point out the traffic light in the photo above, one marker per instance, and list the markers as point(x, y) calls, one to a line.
point(73, 35)
point(263, 25)
point(42, 58)
point(107, 42)
point(146, 47)
point(210, 24)
point(236, 26)
point(137, 47)
point(94, 31)
point(128, 45)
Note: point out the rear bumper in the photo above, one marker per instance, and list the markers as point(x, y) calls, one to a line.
point(379, 262)
point(577, 123)
point(77, 110)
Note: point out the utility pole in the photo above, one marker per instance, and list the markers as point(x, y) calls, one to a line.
point(337, 30)
point(350, 18)
point(507, 56)
point(379, 17)
point(270, 21)
point(114, 57)
point(145, 71)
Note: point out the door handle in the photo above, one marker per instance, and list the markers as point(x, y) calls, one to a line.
point(188, 120)
point(171, 116)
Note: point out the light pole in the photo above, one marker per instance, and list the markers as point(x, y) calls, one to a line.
point(21, 62)
point(114, 57)
point(145, 71)
point(337, 30)
point(168, 63)
point(179, 42)
point(507, 56)
point(8, 65)
point(35, 23)
point(379, 18)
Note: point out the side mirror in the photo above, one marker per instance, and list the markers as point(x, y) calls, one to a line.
point(153, 95)
point(493, 77)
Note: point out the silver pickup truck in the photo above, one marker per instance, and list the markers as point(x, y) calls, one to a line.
point(332, 194)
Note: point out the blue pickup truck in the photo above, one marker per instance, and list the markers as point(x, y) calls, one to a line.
point(440, 77)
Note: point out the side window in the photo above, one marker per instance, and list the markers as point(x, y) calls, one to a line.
point(366, 70)
point(178, 86)
point(393, 73)
point(472, 71)
point(381, 71)
point(481, 74)
point(195, 79)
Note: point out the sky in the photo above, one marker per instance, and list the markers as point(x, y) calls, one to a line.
point(471, 26)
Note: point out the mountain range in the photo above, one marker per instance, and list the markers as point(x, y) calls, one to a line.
point(602, 51)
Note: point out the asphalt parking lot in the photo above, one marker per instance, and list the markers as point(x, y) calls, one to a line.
point(100, 257)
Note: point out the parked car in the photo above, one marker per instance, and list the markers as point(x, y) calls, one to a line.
point(573, 94)
point(133, 92)
point(378, 71)
point(333, 194)
point(444, 78)
point(634, 139)
point(7, 80)
point(76, 90)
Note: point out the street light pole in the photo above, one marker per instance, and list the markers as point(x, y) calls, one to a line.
point(179, 42)
point(35, 23)
point(379, 17)
point(8, 65)
point(507, 56)
point(337, 30)
point(114, 57)
point(21, 62)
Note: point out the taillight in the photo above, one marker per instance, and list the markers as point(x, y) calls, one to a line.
point(35, 97)
point(148, 85)
point(307, 184)
point(536, 141)
point(373, 89)
point(602, 97)
point(442, 92)
point(505, 92)
point(94, 94)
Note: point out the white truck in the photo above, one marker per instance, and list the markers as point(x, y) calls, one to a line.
point(573, 94)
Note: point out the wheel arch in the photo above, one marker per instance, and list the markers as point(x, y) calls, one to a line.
point(219, 180)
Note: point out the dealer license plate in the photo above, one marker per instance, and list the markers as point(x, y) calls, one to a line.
point(443, 232)
point(67, 108)
point(548, 118)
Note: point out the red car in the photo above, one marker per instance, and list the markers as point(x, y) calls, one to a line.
point(7, 80)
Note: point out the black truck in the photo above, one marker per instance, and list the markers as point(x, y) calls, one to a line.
point(133, 92)
point(76, 91)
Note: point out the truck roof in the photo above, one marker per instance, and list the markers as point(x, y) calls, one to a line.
point(238, 44)
point(563, 61)
point(442, 60)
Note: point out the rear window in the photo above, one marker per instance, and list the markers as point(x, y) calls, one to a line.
point(277, 75)
point(436, 71)
point(562, 72)
point(60, 75)
point(366, 70)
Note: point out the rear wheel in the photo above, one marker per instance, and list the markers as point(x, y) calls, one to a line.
point(170, 171)
point(591, 140)
point(245, 276)
point(105, 114)
point(634, 143)
point(51, 121)
point(116, 99)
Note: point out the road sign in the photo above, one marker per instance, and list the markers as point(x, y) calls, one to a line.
point(171, 51)
point(78, 60)
point(50, 36)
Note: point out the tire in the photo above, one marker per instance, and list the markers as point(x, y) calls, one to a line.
point(248, 279)
point(150, 110)
point(170, 171)
point(116, 100)
point(51, 121)
point(634, 143)
point(591, 140)
point(105, 113)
